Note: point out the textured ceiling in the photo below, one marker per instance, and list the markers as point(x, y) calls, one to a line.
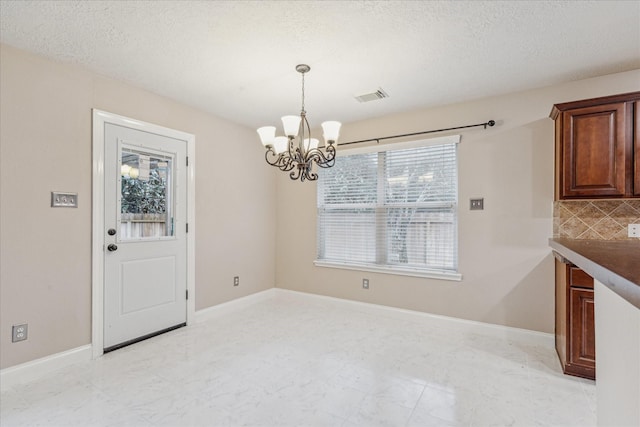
point(236, 59)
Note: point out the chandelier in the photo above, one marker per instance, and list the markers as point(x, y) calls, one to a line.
point(288, 154)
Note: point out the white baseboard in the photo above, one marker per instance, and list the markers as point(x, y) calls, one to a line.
point(226, 307)
point(542, 338)
point(34, 369)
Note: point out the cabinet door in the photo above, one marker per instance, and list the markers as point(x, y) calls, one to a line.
point(636, 149)
point(594, 151)
point(582, 341)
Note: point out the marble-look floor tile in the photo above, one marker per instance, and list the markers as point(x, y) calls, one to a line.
point(298, 360)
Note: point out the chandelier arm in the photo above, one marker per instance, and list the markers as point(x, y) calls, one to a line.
point(306, 123)
point(271, 153)
point(320, 157)
point(281, 161)
point(328, 164)
point(295, 174)
point(304, 174)
point(287, 164)
point(331, 159)
point(316, 157)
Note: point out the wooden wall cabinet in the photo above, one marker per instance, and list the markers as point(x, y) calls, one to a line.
point(636, 149)
point(597, 147)
point(575, 320)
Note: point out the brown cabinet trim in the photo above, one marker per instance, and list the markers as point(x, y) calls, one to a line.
point(579, 279)
point(611, 99)
point(636, 148)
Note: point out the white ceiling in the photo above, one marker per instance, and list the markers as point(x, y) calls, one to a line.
point(237, 59)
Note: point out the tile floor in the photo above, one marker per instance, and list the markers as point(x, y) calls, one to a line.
point(296, 360)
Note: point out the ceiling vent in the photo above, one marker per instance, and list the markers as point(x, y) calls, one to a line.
point(372, 96)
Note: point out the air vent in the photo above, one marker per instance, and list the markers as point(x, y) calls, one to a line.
point(372, 96)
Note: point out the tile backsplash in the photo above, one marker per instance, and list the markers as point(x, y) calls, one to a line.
point(595, 219)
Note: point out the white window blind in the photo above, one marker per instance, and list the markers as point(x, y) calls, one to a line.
point(393, 210)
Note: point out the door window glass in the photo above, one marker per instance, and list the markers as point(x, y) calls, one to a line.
point(146, 198)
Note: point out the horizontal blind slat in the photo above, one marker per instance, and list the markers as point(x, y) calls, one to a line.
point(391, 208)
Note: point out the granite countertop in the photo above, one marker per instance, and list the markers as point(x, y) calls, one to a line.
point(615, 264)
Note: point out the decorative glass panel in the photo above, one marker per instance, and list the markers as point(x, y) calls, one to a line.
point(146, 195)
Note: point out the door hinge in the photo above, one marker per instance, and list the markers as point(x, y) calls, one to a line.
point(187, 227)
point(187, 294)
point(187, 160)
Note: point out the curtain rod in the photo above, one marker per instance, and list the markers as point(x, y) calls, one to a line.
point(490, 123)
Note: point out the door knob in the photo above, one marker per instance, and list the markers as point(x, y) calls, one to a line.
point(112, 247)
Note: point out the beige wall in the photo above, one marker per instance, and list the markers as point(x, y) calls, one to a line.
point(45, 253)
point(45, 145)
point(504, 258)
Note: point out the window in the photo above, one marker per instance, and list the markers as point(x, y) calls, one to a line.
point(146, 207)
point(392, 211)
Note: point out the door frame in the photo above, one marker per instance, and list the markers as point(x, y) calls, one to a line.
point(100, 119)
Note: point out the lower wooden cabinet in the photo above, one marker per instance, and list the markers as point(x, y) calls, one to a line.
point(582, 339)
point(575, 325)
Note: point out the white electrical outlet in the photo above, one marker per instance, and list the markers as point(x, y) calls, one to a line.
point(19, 332)
point(634, 230)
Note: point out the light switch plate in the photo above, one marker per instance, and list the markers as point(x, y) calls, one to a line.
point(64, 200)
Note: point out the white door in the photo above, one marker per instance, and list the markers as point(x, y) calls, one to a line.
point(145, 254)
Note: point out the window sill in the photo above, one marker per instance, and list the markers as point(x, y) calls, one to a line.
point(442, 275)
